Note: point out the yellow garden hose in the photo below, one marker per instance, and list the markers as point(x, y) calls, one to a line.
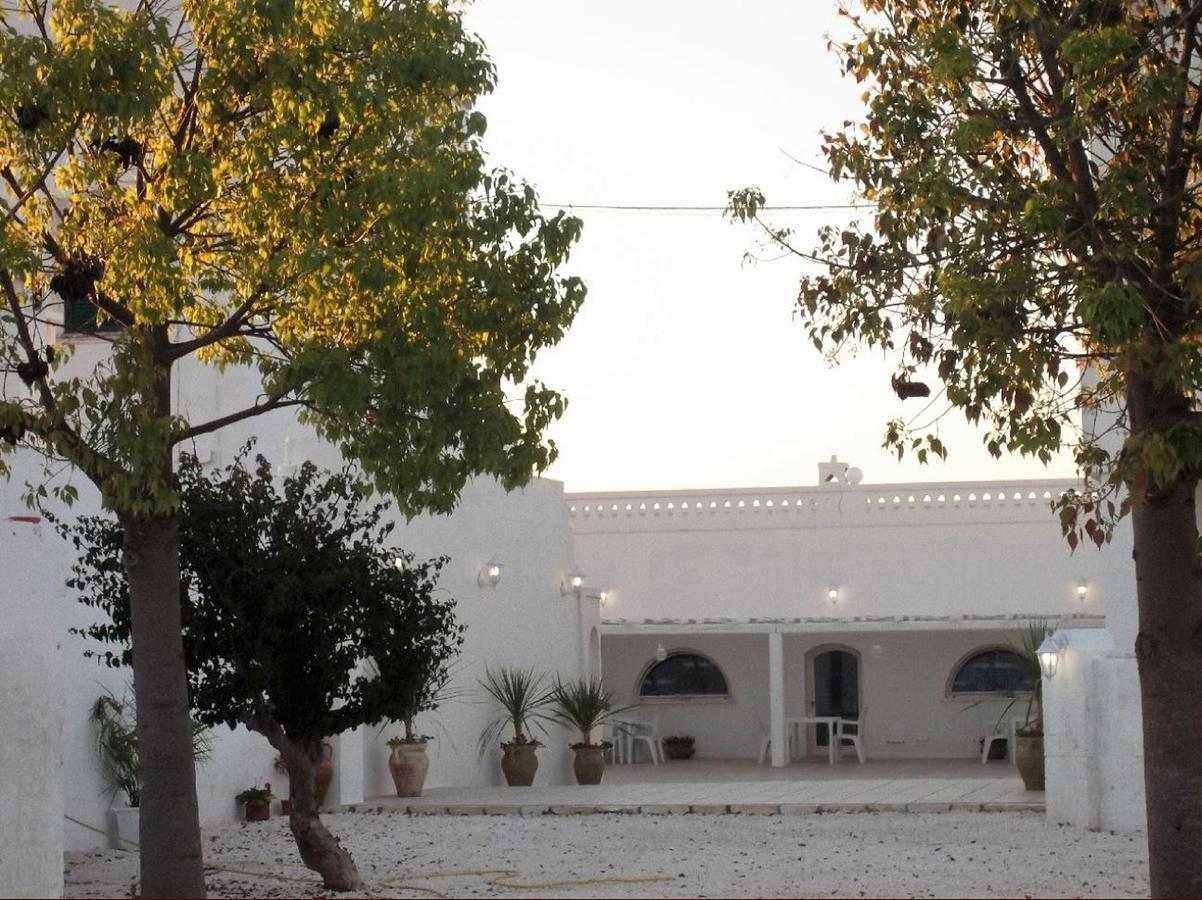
point(503, 877)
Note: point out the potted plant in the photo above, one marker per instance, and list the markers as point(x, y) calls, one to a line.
point(1028, 741)
point(679, 746)
point(415, 683)
point(117, 744)
point(584, 704)
point(257, 801)
point(407, 761)
point(524, 696)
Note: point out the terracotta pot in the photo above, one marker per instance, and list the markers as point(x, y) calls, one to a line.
point(1028, 756)
point(678, 749)
point(285, 807)
point(324, 773)
point(589, 764)
point(519, 764)
point(408, 764)
point(258, 810)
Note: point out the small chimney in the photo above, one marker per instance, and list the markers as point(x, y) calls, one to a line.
point(835, 473)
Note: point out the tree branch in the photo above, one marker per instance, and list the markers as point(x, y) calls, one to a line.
point(277, 401)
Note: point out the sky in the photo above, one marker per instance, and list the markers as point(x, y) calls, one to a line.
point(686, 367)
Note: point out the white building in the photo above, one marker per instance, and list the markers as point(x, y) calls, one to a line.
point(869, 601)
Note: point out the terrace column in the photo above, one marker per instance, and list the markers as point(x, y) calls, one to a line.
point(776, 699)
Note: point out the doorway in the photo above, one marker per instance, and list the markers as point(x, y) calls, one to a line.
point(834, 687)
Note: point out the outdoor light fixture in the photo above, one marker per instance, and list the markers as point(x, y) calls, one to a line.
point(603, 597)
point(1049, 656)
point(1082, 591)
point(833, 596)
point(574, 585)
point(660, 653)
point(490, 574)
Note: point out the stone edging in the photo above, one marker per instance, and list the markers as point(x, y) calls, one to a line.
point(662, 809)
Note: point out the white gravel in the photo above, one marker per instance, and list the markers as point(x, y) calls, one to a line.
point(828, 855)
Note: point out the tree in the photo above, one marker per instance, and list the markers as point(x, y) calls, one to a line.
point(296, 188)
point(285, 594)
point(1034, 167)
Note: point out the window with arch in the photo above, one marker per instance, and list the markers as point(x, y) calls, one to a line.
point(684, 674)
point(995, 670)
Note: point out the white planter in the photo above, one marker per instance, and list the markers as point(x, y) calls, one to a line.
point(127, 827)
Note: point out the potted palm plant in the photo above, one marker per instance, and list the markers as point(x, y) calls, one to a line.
point(407, 761)
point(1028, 741)
point(523, 696)
point(584, 704)
point(117, 745)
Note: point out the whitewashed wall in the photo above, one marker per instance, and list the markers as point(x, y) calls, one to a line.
point(903, 690)
point(982, 548)
point(31, 717)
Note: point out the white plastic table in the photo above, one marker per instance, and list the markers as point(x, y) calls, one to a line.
point(795, 726)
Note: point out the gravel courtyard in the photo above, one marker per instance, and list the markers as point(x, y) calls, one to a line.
point(832, 854)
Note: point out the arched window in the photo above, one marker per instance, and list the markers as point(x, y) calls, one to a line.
point(684, 674)
point(992, 671)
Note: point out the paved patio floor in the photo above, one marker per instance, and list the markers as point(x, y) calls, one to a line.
point(729, 786)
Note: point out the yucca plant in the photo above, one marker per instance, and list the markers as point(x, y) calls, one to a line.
point(582, 704)
point(523, 694)
point(1029, 640)
point(117, 743)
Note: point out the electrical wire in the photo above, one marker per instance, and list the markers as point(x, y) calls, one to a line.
point(631, 207)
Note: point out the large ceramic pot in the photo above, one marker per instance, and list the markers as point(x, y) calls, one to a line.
point(127, 827)
point(519, 764)
point(324, 772)
point(1028, 756)
point(589, 764)
point(408, 764)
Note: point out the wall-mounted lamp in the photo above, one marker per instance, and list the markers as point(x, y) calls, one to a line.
point(660, 652)
point(602, 596)
point(1082, 590)
point(574, 585)
point(490, 574)
point(1049, 654)
point(833, 596)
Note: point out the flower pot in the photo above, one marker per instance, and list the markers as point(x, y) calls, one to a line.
point(678, 749)
point(324, 773)
point(589, 764)
point(285, 807)
point(258, 810)
point(519, 764)
point(408, 764)
point(127, 827)
point(1028, 756)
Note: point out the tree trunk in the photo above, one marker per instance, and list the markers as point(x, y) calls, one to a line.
point(1169, 653)
point(319, 849)
point(169, 829)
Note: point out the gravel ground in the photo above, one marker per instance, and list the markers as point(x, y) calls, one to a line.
point(833, 854)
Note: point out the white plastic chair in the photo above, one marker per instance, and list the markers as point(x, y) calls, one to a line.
point(644, 732)
point(1007, 735)
point(855, 736)
point(766, 745)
